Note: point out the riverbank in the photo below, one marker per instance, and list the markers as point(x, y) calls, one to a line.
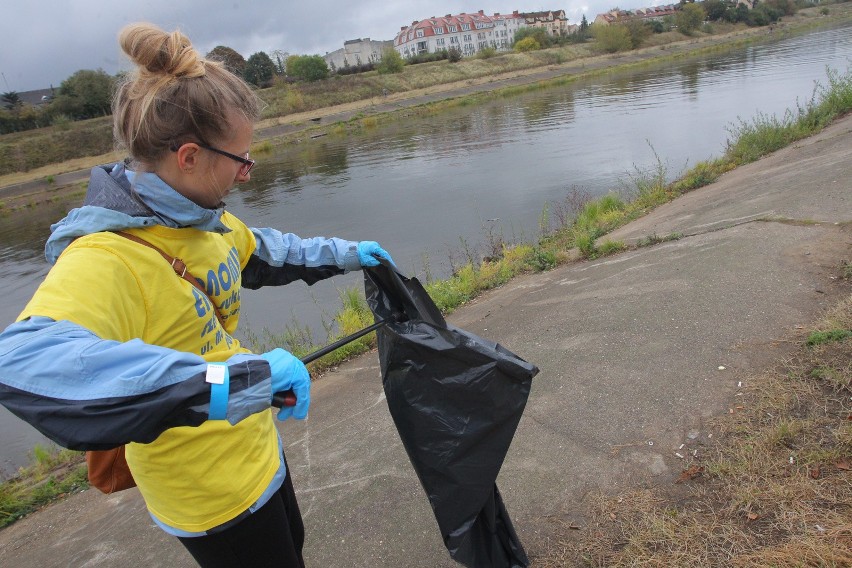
point(66, 181)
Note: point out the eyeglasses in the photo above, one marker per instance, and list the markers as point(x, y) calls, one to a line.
point(247, 164)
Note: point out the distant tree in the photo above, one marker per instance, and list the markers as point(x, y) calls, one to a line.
point(391, 62)
point(763, 14)
point(454, 54)
point(279, 58)
point(639, 32)
point(11, 100)
point(529, 43)
point(233, 61)
point(657, 26)
point(85, 94)
point(738, 14)
point(785, 7)
point(307, 67)
point(538, 34)
point(689, 18)
point(584, 27)
point(259, 70)
point(612, 38)
point(715, 9)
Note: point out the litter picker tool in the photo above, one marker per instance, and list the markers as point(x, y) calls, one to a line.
point(288, 398)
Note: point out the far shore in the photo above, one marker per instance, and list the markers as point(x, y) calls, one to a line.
point(66, 180)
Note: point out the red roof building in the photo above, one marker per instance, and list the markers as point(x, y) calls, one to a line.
point(469, 33)
point(644, 14)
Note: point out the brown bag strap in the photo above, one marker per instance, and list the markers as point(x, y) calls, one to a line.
point(179, 267)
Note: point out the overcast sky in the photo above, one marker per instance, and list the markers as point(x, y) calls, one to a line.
point(45, 41)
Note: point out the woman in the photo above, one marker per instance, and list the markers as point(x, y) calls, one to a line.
point(116, 348)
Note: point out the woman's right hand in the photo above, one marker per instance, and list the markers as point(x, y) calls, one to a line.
point(289, 373)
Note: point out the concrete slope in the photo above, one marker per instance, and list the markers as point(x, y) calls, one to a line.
point(636, 351)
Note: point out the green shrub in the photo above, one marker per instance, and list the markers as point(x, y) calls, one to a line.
point(486, 53)
point(612, 38)
point(527, 44)
point(391, 62)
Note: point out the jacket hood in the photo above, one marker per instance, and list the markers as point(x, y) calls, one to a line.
point(118, 198)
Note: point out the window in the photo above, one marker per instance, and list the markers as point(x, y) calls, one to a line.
point(439, 41)
point(410, 36)
point(419, 33)
point(465, 27)
point(453, 29)
point(438, 30)
point(421, 47)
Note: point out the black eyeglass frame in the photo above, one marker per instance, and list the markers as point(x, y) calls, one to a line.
point(247, 163)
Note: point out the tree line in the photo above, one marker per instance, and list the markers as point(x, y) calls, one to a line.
point(629, 33)
point(88, 93)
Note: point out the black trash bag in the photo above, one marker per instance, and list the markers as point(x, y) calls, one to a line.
point(456, 400)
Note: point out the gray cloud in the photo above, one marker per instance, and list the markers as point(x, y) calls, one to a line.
point(46, 41)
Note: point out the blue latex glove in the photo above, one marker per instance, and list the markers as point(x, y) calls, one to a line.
point(367, 250)
point(290, 373)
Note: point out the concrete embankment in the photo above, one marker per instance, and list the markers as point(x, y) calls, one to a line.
point(636, 352)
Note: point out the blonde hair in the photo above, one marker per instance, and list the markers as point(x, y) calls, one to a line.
point(174, 95)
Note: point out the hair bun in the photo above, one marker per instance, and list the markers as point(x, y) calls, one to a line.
point(157, 52)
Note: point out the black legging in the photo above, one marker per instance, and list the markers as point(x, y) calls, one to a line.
point(271, 537)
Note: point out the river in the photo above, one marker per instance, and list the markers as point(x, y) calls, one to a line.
point(433, 189)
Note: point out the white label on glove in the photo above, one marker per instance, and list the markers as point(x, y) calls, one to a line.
point(216, 374)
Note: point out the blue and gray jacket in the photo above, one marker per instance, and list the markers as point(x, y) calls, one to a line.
point(133, 391)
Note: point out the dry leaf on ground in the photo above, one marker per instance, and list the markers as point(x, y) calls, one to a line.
point(691, 473)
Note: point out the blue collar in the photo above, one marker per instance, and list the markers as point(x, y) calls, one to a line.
point(170, 207)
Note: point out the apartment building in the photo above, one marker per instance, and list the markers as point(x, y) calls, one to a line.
point(553, 22)
point(470, 33)
point(644, 14)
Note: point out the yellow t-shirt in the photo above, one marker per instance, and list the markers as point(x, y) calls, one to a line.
point(192, 479)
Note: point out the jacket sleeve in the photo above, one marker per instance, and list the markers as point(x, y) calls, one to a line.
point(87, 393)
point(281, 258)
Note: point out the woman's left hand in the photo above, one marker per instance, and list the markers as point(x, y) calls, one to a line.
point(369, 250)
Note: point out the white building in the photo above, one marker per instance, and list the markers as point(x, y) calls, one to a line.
point(469, 33)
point(356, 52)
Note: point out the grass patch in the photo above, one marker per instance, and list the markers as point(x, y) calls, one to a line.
point(52, 474)
point(820, 337)
point(764, 134)
point(773, 489)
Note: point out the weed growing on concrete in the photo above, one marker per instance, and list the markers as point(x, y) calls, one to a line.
point(609, 247)
point(52, 474)
point(820, 337)
point(654, 239)
point(752, 139)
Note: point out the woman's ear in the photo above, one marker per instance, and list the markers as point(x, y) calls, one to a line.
point(188, 156)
